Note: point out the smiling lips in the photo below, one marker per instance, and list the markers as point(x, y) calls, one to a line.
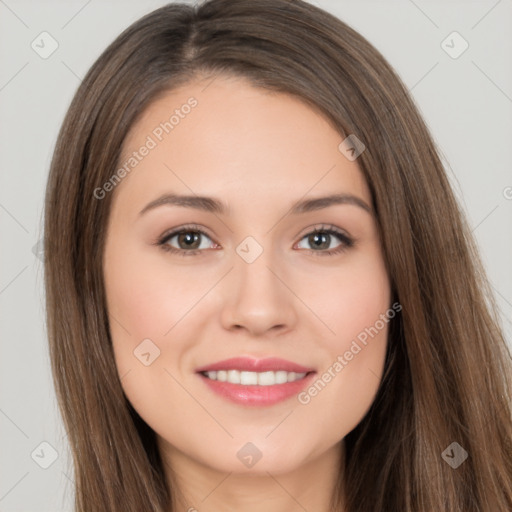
point(249, 381)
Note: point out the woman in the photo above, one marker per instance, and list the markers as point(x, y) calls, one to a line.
point(206, 355)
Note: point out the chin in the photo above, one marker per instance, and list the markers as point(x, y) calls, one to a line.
point(249, 459)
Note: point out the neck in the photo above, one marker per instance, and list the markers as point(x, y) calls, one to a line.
point(200, 488)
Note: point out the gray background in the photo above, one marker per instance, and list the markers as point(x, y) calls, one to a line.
point(466, 101)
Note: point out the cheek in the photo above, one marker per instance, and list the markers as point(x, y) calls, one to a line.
point(147, 307)
point(350, 297)
point(145, 302)
point(363, 320)
point(146, 295)
point(355, 303)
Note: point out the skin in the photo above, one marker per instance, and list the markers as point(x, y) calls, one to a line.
point(258, 152)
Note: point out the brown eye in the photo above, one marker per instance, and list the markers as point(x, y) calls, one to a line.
point(186, 241)
point(189, 240)
point(320, 241)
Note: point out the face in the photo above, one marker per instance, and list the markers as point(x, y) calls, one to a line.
point(250, 265)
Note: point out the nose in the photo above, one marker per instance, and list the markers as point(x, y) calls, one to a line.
point(258, 297)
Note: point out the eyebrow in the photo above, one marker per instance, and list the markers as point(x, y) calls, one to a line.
point(212, 205)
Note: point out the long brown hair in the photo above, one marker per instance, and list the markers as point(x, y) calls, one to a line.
point(448, 369)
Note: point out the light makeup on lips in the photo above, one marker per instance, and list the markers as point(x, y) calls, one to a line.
point(248, 381)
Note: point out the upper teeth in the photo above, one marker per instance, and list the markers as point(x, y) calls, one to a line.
point(254, 378)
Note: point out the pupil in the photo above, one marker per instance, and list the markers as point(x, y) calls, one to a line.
point(320, 240)
point(187, 238)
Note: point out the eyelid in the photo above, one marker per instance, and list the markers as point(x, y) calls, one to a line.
point(187, 227)
point(323, 227)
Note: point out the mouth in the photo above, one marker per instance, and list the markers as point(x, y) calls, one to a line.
point(251, 382)
point(245, 378)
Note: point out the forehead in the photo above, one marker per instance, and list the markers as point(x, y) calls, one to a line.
point(223, 135)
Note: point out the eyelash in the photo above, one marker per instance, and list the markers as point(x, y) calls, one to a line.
point(346, 241)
